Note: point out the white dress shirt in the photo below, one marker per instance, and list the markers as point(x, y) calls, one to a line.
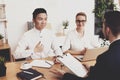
point(74, 42)
point(31, 38)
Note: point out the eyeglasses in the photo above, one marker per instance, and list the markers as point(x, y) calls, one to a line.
point(78, 21)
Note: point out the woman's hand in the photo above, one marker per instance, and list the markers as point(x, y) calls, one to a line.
point(83, 51)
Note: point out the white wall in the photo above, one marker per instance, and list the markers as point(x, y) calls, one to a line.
point(18, 12)
point(117, 2)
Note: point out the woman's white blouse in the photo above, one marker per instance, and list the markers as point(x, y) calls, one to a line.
point(31, 38)
point(74, 42)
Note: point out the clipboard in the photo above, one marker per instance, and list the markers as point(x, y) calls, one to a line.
point(73, 64)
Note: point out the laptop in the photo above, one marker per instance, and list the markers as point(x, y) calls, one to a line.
point(92, 54)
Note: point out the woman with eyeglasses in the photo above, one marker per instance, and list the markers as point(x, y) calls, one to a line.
point(77, 40)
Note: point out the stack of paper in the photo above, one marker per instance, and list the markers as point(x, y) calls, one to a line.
point(42, 63)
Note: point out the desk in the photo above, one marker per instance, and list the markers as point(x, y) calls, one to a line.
point(5, 51)
point(14, 67)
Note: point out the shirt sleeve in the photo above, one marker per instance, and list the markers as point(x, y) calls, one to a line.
point(95, 42)
point(22, 50)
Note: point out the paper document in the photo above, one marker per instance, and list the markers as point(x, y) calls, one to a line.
point(42, 63)
point(73, 64)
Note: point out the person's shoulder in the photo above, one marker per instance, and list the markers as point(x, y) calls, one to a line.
point(88, 35)
point(47, 31)
point(29, 32)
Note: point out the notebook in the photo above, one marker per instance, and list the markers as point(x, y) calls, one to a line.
point(73, 64)
point(42, 63)
point(92, 54)
point(29, 74)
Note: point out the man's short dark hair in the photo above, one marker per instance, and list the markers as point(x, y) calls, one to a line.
point(112, 20)
point(38, 11)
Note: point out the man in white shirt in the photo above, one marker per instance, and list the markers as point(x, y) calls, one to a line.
point(38, 42)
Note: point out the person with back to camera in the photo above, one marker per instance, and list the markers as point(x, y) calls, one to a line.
point(107, 65)
point(78, 40)
point(38, 42)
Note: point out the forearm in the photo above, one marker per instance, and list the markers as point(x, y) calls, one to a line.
point(20, 53)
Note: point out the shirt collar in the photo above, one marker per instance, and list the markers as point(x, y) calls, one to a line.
point(78, 33)
point(38, 31)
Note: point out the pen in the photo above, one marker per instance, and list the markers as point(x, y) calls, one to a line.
point(60, 56)
point(48, 63)
point(28, 72)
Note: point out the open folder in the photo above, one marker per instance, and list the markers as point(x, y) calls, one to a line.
point(73, 64)
point(92, 54)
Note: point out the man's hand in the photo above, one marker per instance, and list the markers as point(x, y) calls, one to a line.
point(38, 48)
point(87, 67)
point(58, 72)
point(55, 60)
